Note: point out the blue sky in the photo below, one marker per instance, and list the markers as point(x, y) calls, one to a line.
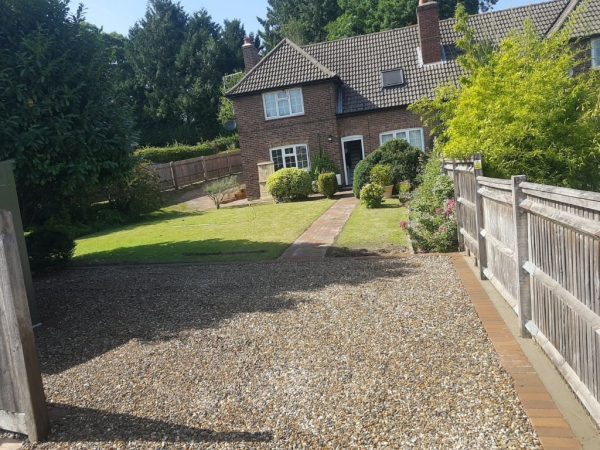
point(120, 15)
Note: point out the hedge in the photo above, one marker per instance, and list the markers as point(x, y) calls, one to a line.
point(178, 152)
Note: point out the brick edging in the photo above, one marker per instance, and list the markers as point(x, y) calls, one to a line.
point(548, 421)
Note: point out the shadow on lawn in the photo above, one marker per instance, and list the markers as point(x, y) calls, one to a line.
point(74, 424)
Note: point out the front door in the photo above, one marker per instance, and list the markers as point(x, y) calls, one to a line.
point(353, 153)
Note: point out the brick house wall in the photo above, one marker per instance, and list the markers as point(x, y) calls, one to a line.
point(317, 127)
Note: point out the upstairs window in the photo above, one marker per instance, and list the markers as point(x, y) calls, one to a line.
point(290, 156)
point(391, 78)
point(596, 53)
point(283, 103)
point(414, 136)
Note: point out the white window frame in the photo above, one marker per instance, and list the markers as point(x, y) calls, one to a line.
point(594, 43)
point(295, 147)
point(287, 92)
point(403, 130)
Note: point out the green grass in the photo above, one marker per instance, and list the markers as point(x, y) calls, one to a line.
point(375, 229)
point(249, 233)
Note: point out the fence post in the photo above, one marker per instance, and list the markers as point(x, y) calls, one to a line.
point(21, 380)
point(204, 168)
point(461, 239)
point(521, 254)
point(173, 176)
point(479, 219)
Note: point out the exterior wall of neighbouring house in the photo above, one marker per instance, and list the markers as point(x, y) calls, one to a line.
point(317, 127)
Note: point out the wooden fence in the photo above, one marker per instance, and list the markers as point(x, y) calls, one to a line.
point(178, 174)
point(22, 401)
point(540, 247)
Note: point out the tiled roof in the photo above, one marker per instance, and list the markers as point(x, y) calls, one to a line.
point(358, 61)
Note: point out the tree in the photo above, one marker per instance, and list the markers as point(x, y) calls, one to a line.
point(232, 37)
point(61, 118)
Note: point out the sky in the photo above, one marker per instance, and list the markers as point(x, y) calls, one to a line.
point(120, 15)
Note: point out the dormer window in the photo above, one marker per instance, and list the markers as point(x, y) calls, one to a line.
point(282, 104)
point(596, 53)
point(391, 78)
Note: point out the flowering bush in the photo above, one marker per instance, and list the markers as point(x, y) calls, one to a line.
point(433, 226)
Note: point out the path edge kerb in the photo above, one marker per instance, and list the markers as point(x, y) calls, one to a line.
point(547, 420)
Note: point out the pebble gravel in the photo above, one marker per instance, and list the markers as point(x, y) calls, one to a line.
point(340, 353)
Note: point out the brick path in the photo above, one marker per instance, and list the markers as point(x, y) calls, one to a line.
point(547, 420)
point(315, 241)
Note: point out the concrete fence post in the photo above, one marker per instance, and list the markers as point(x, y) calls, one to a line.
point(521, 234)
point(479, 218)
point(173, 175)
point(461, 239)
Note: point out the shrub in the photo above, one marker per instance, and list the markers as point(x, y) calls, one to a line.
point(372, 195)
point(404, 160)
point(404, 194)
point(217, 190)
point(327, 184)
point(178, 152)
point(49, 247)
point(289, 184)
point(381, 174)
point(322, 163)
point(136, 193)
point(433, 226)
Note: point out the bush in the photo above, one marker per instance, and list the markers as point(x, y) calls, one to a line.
point(372, 195)
point(136, 193)
point(178, 152)
point(217, 190)
point(49, 247)
point(322, 163)
point(404, 194)
point(381, 174)
point(327, 184)
point(404, 160)
point(433, 226)
point(289, 184)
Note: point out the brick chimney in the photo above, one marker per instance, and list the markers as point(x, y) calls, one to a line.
point(428, 17)
point(250, 52)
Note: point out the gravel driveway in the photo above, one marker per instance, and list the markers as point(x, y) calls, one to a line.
point(342, 353)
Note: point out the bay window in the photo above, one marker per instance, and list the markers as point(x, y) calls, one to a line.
point(414, 136)
point(290, 156)
point(283, 103)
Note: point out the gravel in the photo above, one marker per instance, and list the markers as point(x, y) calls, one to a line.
point(367, 353)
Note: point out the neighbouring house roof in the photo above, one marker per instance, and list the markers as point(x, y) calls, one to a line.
point(358, 61)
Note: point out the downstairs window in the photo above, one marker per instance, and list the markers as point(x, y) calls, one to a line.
point(414, 136)
point(291, 156)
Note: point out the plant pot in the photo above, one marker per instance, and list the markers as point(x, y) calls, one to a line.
point(387, 191)
point(338, 177)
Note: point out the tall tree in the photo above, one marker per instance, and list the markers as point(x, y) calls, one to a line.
point(61, 119)
point(232, 36)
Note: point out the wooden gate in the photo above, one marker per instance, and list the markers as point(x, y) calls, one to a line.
point(22, 400)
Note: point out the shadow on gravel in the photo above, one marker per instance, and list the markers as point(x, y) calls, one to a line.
point(73, 424)
point(89, 311)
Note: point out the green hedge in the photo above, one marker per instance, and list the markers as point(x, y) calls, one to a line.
point(178, 152)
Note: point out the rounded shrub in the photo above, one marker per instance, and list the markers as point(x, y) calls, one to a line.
point(362, 174)
point(289, 184)
point(381, 174)
point(327, 184)
point(49, 247)
point(136, 193)
point(372, 195)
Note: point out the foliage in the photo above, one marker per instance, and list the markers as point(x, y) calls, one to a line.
point(433, 226)
point(525, 106)
point(226, 112)
point(61, 118)
point(48, 248)
point(327, 184)
point(322, 163)
point(404, 160)
point(404, 194)
point(289, 184)
point(381, 174)
point(178, 152)
point(368, 16)
point(136, 193)
point(371, 195)
point(217, 190)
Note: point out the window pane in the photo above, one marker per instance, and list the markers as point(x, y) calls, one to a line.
point(270, 105)
point(401, 135)
point(290, 161)
point(414, 139)
point(296, 101)
point(302, 153)
point(284, 107)
point(596, 53)
point(386, 138)
point(289, 151)
point(282, 95)
point(277, 158)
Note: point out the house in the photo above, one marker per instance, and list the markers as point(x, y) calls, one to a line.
point(347, 97)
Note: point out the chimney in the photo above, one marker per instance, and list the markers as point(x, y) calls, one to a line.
point(250, 52)
point(428, 17)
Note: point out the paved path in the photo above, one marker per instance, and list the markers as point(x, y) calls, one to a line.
point(315, 241)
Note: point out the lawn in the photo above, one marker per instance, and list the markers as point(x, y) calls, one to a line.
point(260, 232)
point(374, 230)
